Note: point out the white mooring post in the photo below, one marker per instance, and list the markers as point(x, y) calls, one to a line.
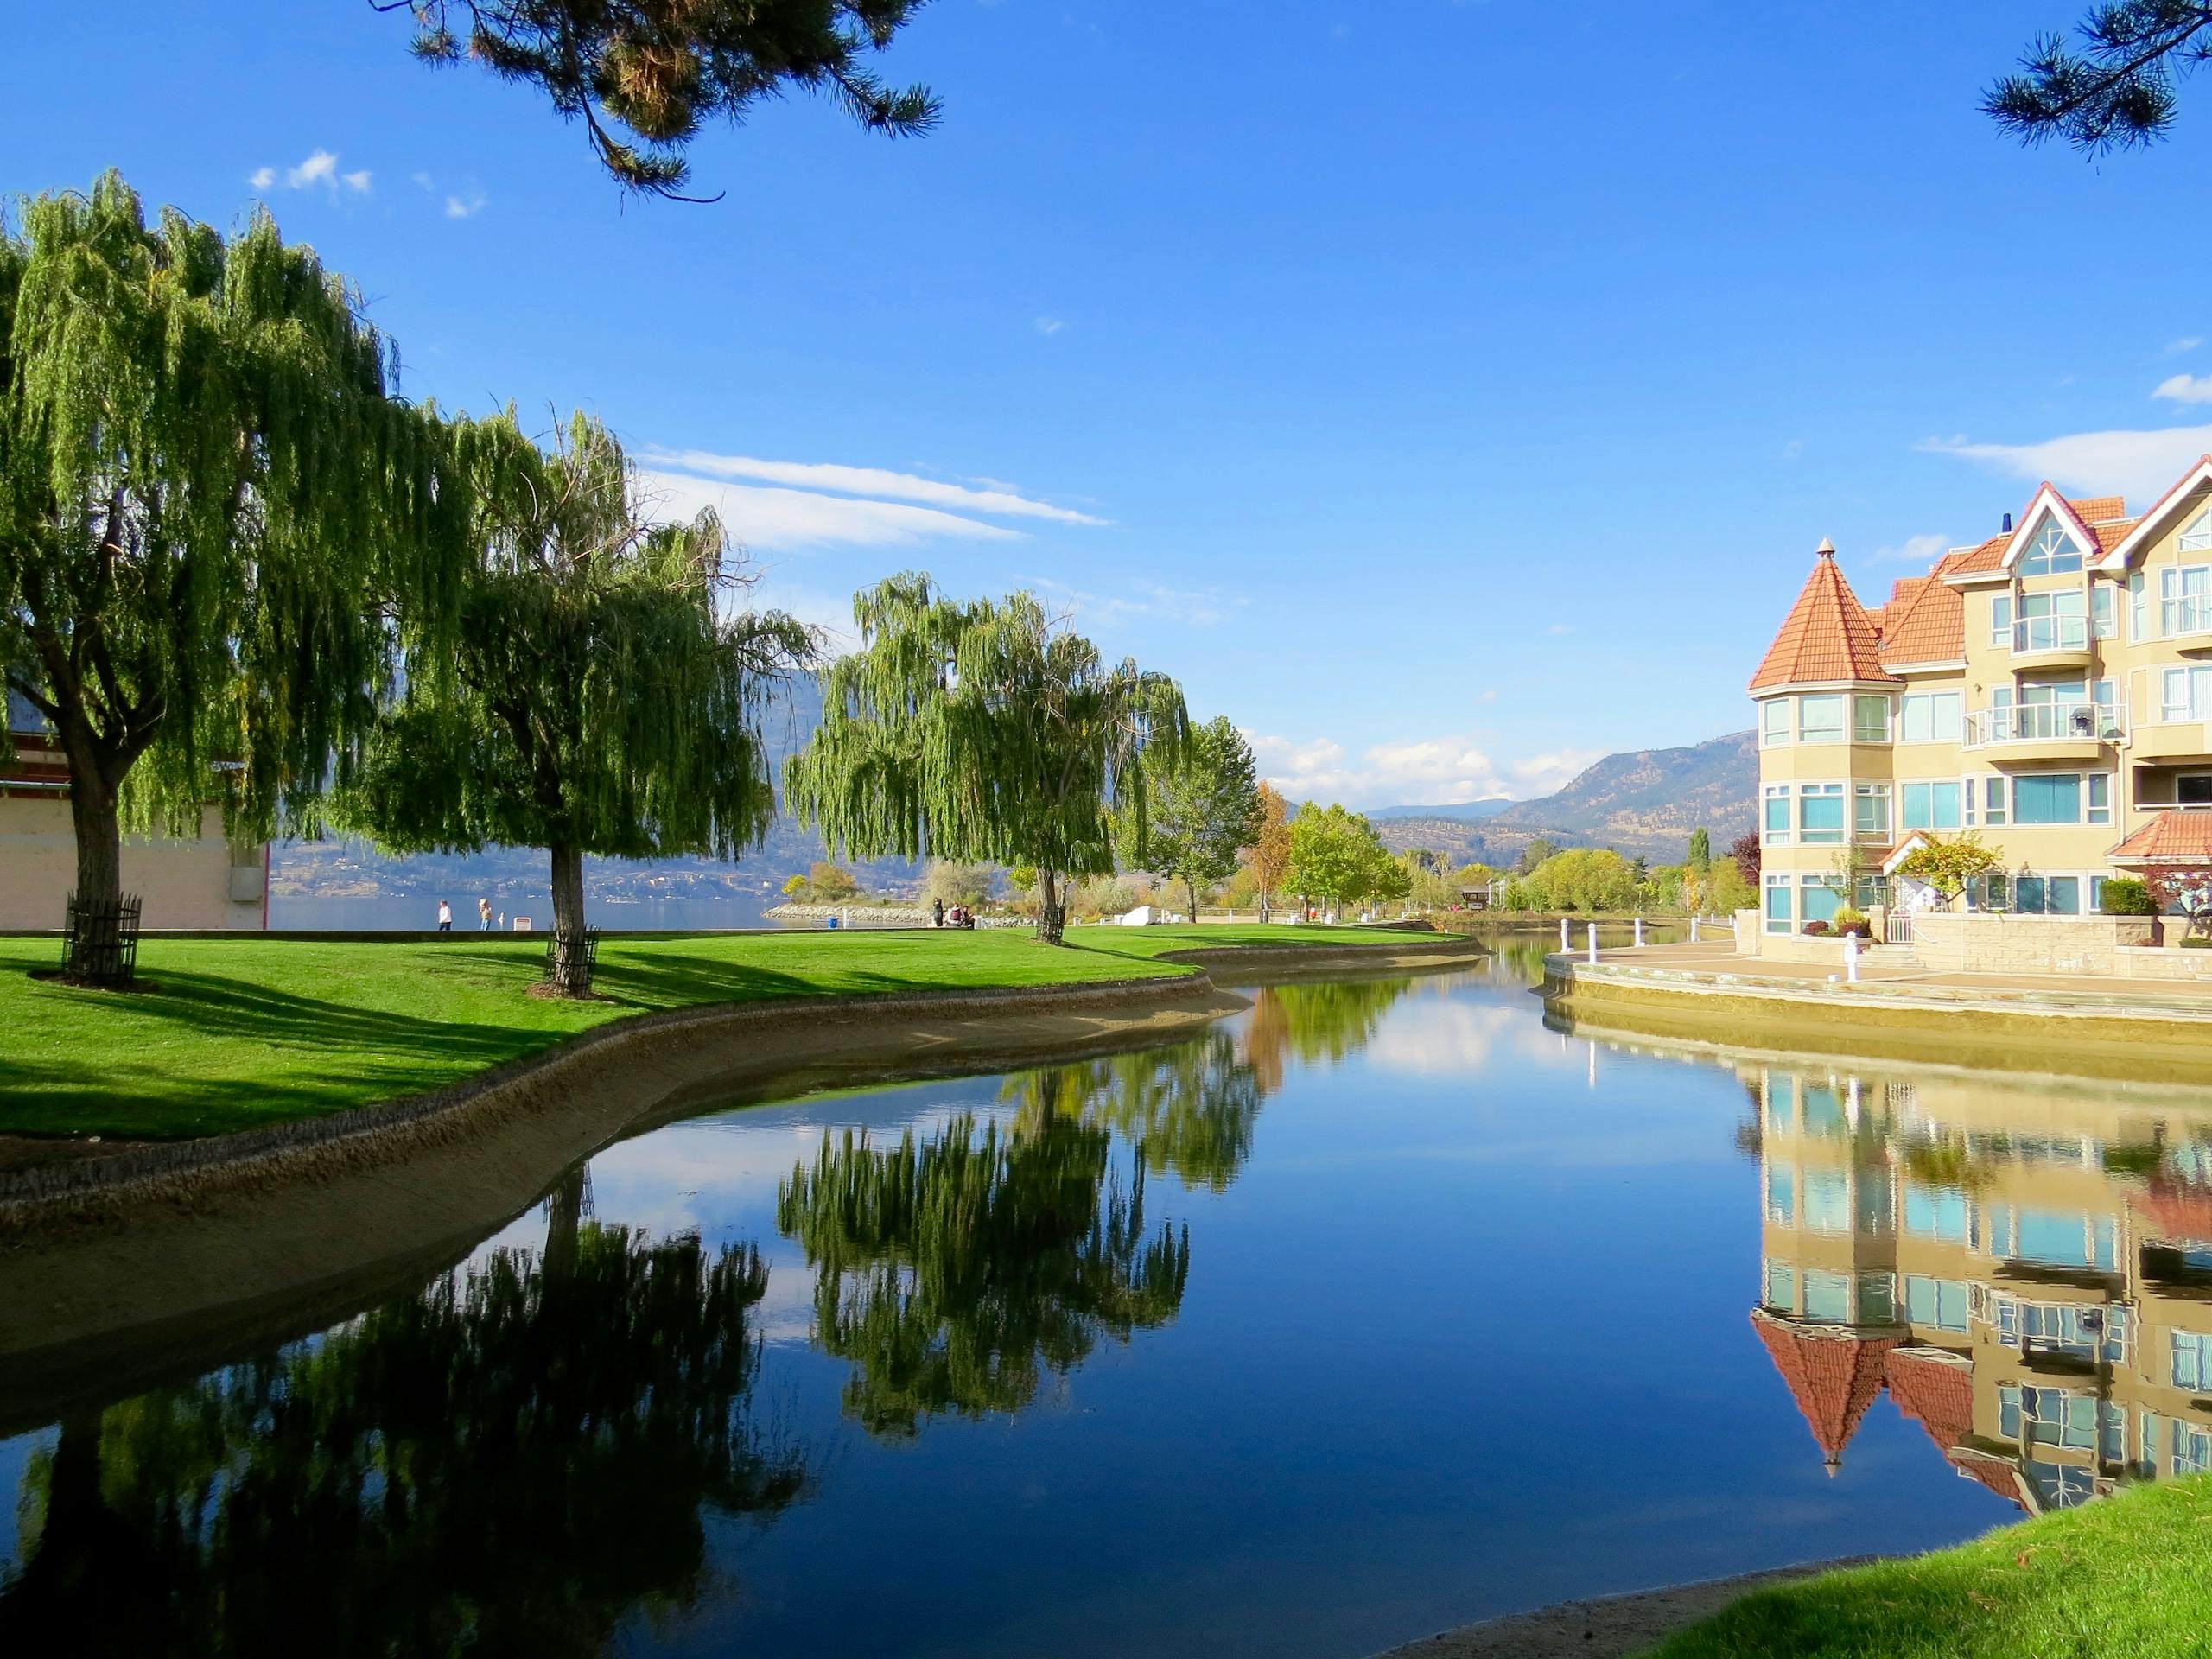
point(1693, 930)
point(1639, 932)
point(1851, 957)
point(1592, 937)
point(1566, 944)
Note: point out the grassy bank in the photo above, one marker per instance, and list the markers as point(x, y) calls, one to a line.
point(234, 1033)
point(2123, 1578)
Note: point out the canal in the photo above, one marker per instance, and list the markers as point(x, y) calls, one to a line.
point(1380, 1307)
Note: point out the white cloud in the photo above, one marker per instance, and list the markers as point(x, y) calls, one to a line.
point(2186, 343)
point(321, 167)
point(2185, 389)
point(1418, 772)
point(1049, 325)
point(774, 519)
point(465, 208)
point(868, 480)
point(1201, 607)
point(2137, 464)
point(423, 180)
point(1914, 549)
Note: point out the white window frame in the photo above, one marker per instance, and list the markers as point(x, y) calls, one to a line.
point(1905, 826)
point(1932, 704)
point(2000, 620)
point(1768, 834)
point(1841, 732)
point(2052, 545)
point(1861, 701)
point(1829, 791)
point(2174, 595)
point(1884, 833)
point(2197, 535)
point(1776, 720)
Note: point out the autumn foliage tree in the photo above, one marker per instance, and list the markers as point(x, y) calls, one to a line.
point(1268, 855)
point(2184, 889)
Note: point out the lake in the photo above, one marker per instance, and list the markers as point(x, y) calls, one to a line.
point(1380, 1307)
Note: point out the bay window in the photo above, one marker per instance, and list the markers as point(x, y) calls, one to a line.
point(2186, 693)
point(1870, 718)
point(1820, 720)
point(1774, 723)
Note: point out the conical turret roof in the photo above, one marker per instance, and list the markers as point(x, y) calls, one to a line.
point(1833, 1374)
point(1827, 637)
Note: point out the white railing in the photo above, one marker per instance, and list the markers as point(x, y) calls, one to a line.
point(2032, 633)
point(2191, 614)
point(2041, 723)
point(1897, 926)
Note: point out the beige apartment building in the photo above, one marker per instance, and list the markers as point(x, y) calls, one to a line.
point(197, 882)
point(1975, 1253)
point(2049, 688)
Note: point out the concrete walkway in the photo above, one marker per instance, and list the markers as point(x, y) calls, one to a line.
point(1716, 967)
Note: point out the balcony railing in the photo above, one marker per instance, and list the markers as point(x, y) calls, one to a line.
point(2191, 614)
point(2032, 633)
point(2042, 722)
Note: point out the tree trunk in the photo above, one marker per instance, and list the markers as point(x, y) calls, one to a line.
point(1191, 888)
point(570, 966)
point(99, 952)
point(564, 1208)
point(1049, 918)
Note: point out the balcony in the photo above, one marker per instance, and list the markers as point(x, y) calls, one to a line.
point(2187, 622)
point(2050, 642)
point(2044, 731)
point(2181, 735)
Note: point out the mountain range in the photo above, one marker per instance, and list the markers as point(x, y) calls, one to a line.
point(1643, 802)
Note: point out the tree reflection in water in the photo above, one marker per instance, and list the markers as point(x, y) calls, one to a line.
point(952, 1270)
point(518, 1457)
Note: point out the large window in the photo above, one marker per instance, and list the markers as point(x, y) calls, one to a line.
point(1870, 812)
point(2053, 553)
point(1929, 717)
point(1931, 806)
point(1940, 1304)
point(1774, 723)
point(1870, 718)
point(1820, 720)
point(2192, 1358)
point(1776, 823)
point(2046, 895)
point(2051, 621)
point(2186, 693)
point(2047, 797)
point(1819, 814)
point(2091, 1333)
point(1936, 1212)
point(1828, 1296)
point(1817, 900)
point(2185, 598)
point(1778, 918)
point(2058, 1238)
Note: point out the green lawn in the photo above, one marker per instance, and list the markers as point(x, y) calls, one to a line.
point(2128, 1577)
point(238, 1033)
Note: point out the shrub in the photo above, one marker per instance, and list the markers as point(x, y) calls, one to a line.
point(2125, 896)
point(1818, 927)
point(2193, 943)
point(1849, 917)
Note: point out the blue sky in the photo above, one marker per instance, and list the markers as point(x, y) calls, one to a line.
point(1445, 402)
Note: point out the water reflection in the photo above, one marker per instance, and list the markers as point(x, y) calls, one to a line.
point(2028, 1274)
point(519, 1457)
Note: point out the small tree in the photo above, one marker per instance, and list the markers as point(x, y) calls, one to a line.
point(950, 882)
point(982, 730)
point(1535, 853)
point(1746, 854)
point(1700, 848)
point(832, 884)
point(1949, 864)
point(1269, 853)
point(2185, 889)
point(1331, 855)
point(1204, 805)
point(598, 700)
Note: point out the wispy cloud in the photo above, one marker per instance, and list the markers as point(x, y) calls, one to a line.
point(781, 519)
point(465, 206)
point(2185, 389)
point(1914, 549)
point(1049, 325)
point(321, 168)
point(2186, 343)
point(1418, 772)
point(1198, 607)
point(876, 482)
point(2138, 464)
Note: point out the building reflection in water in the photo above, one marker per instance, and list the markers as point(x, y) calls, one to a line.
point(2027, 1272)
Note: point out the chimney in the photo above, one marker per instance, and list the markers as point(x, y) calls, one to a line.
point(2006, 529)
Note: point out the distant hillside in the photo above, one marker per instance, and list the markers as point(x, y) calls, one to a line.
point(1455, 812)
point(1643, 801)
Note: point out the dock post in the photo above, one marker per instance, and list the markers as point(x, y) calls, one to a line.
point(1593, 943)
point(1566, 944)
point(1851, 957)
point(1693, 930)
point(1639, 932)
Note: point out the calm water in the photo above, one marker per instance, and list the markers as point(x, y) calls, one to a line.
point(1378, 1308)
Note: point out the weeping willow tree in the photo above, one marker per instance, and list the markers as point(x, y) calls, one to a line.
point(523, 1457)
point(982, 730)
point(599, 697)
point(1188, 1110)
point(951, 1271)
point(216, 519)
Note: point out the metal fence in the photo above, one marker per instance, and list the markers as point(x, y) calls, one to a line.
point(101, 944)
point(570, 958)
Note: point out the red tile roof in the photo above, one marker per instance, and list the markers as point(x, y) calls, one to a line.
point(2095, 510)
point(2176, 1212)
point(1826, 637)
point(1998, 1474)
point(1833, 1374)
point(1928, 622)
point(2168, 836)
point(1972, 560)
point(1935, 1391)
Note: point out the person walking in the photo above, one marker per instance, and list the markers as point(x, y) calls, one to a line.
point(484, 914)
point(445, 917)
